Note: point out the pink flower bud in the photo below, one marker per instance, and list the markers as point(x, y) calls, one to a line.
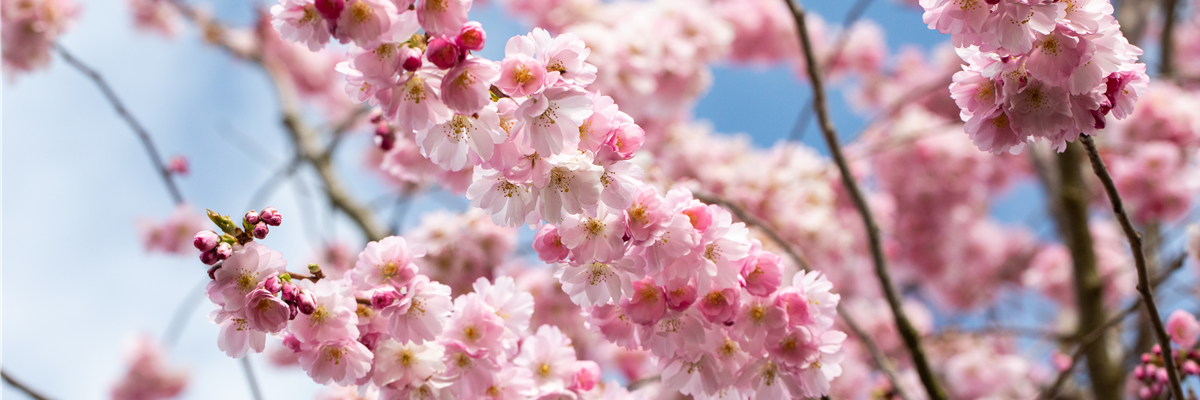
point(383, 298)
point(472, 37)
point(291, 342)
point(178, 165)
point(587, 377)
point(224, 250)
point(762, 273)
point(306, 302)
point(251, 217)
point(330, 9)
point(1161, 375)
point(442, 53)
point(206, 240)
point(271, 216)
point(1157, 350)
point(291, 292)
point(376, 115)
point(370, 340)
point(386, 142)
point(548, 244)
point(293, 310)
point(273, 284)
point(1190, 368)
point(261, 230)
point(1144, 393)
point(410, 58)
point(1139, 372)
point(209, 258)
point(1145, 357)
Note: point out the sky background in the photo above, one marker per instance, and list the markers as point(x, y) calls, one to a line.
point(77, 284)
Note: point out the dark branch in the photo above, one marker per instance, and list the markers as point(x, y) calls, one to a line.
point(908, 333)
point(21, 386)
point(250, 379)
point(151, 151)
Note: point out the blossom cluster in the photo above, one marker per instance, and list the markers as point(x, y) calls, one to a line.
point(1038, 69)
point(148, 376)
point(172, 235)
point(459, 248)
point(29, 28)
point(1150, 375)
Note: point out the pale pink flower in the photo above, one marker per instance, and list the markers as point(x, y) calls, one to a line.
point(365, 21)
point(474, 325)
point(1016, 24)
point(819, 292)
point(406, 363)
point(416, 103)
point(300, 22)
point(243, 272)
point(386, 262)
point(265, 312)
point(443, 17)
point(474, 372)
point(974, 93)
point(596, 283)
point(422, 313)
point(334, 317)
point(507, 202)
point(677, 331)
point(548, 245)
point(677, 239)
point(698, 375)
point(549, 356)
point(646, 303)
point(571, 186)
point(148, 376)
point(1183, 328)
point(993, 132)
point(621, 180)
point(1124, 88)
point(796, 347)
point(646, 217)
point(463, 140)
point(564, 57)
point(1040, 109)
point(769, 380)
point(758, 318)
point(155, 15)
point(613, 324)
point(236, 338)
point(511, 383)
point(175, 234)
point(513, 306)
point(342, 361)
point(956, 16)
point(763, 272)
point(817, 374)
point(549, 121)
point(30, 28)
point(521, 75)
point(599, 238)
point(466, 87)
point(723, 246)
point(1056, 56)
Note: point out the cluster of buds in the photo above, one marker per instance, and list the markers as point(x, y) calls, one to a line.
point(446, 52)
point(216, 247)
point(1152, 376)
point(385, 135)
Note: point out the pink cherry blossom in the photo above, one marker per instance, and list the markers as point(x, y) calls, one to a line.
point(596, 283)
point(403, 364)
point(300, 22)
point(646, 304)
point(332, 319)
point(265, 312)
point(466, 87)
point(388, 261)
point(149, 377)
point(421, 315)
point(365, 21)
point(521, 75)
point(342, 361)
point(599, 238)
point(236, 338)
point(1183, 328)
point(243, 272)
point(549, 121)
point(549, 357)
point(442, 17)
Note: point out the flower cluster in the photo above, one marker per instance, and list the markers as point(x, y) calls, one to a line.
point(172, 235)
point(1038, 69)
point(148, 376)
point(1151, 375)
point(460, 248)
point(215, 248)
point(29, 28)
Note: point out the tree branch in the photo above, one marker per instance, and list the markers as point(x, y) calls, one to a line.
point(1139, 261)
point(21, 386)
point(250, 379)
point(800, 128)
point(907, 332)
point(147, 143)
point(1166, 61)
point(876, 354)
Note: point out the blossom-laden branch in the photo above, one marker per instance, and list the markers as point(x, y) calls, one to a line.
point(164, 170)
point(908, 332)
point(1139, 260)
point(21, 386)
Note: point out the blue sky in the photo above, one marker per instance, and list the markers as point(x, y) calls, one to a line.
point(77, 281)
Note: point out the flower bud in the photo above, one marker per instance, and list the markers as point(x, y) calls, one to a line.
point(178, 165)
point(224, 250)
point(222, 222)
point(410, 58)
point(376, 115)
point(1145, 357)
point(251, 217)
point(271, 216)
point(291, 292)
point(370, 340)
point(330, 9)
point(442, 53)
point(1161, 375)
point(273, 284)
point(261, 230)
point(209, 258)
point(292, 309)
point(212, 272)
point(1144, 393)
point(1157, 350)
point(472, 37)
point(1191, 368)
point(306, 302)
point(291, 342)
point(1139, 372)
point(206, 240)
point(383, 298)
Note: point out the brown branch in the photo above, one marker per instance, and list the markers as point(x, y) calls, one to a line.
point(1166, 61)
point(1092, 337)
point(1139, 261)
point(21, 386)
point(147, 143)
point(876, 354)
point(907, 332)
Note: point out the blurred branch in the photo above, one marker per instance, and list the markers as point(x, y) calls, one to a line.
point(21, 386)
point(151, 151)
point(876, 354)
point(340, 129)
point(1074, 228)
point(1166, 61)
point(1139, 261)
point(250, 379)
point(800, 128)
point(635, 385)
point(907, 332)
point(179, 318)
point(1132, 15)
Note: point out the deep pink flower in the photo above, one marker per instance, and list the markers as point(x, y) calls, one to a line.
point(471, 36)
point(443, 53)
point(548, 245)
point(646, 304)
point(763, 272)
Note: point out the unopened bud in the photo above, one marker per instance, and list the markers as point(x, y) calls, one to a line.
point(1145, 357)
point(386, 142)
point(178, 165)
point(209, 258)
point(206, 240)
point(293, 310)
point(1161, 375)
point(472, 37)
point(1191, 368)
point(212, 272)
point(290, 291)
point(1157, 350)
point(273, 284)
point(224, 223)
point(291, 342)
point(370, 340)
point(251, 217)
point(261, 230)
point(1139, 372)
point(271, 216)
point(383, 298)
point(224, 250)
point(442, 53)
point(306, 302)
point(330, 9)
point(410, 58)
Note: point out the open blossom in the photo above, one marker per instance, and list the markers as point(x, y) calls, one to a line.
point(521, 75)
point(474, 324)
point(148, 376)
point(597, 238)
point(594, 283)
point(513, 306)
point(406, 363)
point(421, 315)
point(388, 261)
point(30, 28)
point(416, 104)
point(549, 356)
point(466, 87)
point(300, 22)
point(549, 121)
point(464, 140)
point(236, 338)
point(509, 203)
point(646, 304)
point(173, 235)
point(365, 21)
point(266, 312)
point(571, 186)
point(443, 17)
point(334, 316)
point(1183, 328)
point(155, 15)
point(243, 272)
point(342, 361)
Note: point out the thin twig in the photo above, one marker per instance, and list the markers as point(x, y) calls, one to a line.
point(340, 129)
point(1139, 261)
point(905, 327)
point(250, 379)
point(752, 220)
point(1092, 337)
point(635, 385)
point(881, 360)
point(147, 143)
point(801, 126)
point(21, 386)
